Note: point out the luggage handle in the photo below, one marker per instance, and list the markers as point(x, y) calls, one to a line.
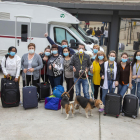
point(31, 79)
point(44, 75)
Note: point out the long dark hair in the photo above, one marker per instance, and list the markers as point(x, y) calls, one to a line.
point(134, 58)
point(9, 50)
point(68, 50)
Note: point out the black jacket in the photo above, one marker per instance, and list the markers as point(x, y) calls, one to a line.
point(76, 63)
point(102, 73)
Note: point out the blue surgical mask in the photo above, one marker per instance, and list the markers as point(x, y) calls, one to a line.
point(64, 46)
point(55, 52)
point(12, 53)
point(47, 53)
point(111, 58)
point(124, 60)
point(101, 57)
point(94, 57)
point(138, 57)
point(31, 51)
point(95, 50)
point(66, 54)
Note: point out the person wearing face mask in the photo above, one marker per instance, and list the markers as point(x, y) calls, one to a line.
point(64, 43)
point(109, 75)
point(96, 48)
point(11, 64)
point(68, 73)
point(125, 77)
point(55, 67)
point(45, 57)
point(136, 74)
point(31, 63)
point(81, 62)
point(100, 59)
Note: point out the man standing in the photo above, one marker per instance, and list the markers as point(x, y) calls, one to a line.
point(81, 62)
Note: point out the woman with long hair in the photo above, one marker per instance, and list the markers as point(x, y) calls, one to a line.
point(99, 60)
point(125, 74)
point(68, 73)
point(110, 75)
point(136, 74)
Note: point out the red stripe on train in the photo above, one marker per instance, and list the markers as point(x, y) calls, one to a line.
point(13, 37)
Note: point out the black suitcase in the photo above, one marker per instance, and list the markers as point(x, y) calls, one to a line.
point(10, 94)
point(113, 104)
point(43, 89)
point(30, 97)
point(131, 105)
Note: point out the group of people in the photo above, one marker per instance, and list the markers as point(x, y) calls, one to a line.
point(61, 62)
point(102, 34)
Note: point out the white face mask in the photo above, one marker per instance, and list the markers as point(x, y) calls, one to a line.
point(31, 51)
point(81, 51)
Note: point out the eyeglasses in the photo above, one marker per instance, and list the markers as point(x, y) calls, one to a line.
point(138, 55)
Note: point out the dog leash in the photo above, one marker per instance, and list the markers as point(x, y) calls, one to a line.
point(76, 82)
point(90, 86)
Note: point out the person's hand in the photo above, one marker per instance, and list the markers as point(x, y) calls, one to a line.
point(45, 58)
point(50, 67)
point(25, 70)
point(103, 77)
point(116, 83)
point(7, 76)
point(134, 77)
point(74, 70)
point(130, 86)
point(31, 70)
point(54, 65)
point(46, 34)
point(41, 53)
point(16, 79)
point(86, 70)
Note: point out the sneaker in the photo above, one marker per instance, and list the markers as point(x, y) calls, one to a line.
point(101, 110)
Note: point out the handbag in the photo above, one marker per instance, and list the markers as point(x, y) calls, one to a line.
point(58, 91)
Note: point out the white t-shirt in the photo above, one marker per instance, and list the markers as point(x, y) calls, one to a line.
point(106, 33)
point(30, 66)
point(12, 66)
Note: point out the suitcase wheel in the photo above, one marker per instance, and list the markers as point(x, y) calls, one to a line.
point(37, 107)
point(117, 116)
point(104, 114)
point(134, 117)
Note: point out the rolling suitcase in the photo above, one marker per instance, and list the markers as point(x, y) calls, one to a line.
point(131, 105)
point(113, 104)
point(30, 98)
point(43, 89)
point(10, 94)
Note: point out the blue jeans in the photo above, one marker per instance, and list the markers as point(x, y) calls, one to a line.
point(122, 89)
point(92, 86)
point(134, 89)
point(85, 85)
point(55, 81)
point(105, 91)
point(102, 37)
